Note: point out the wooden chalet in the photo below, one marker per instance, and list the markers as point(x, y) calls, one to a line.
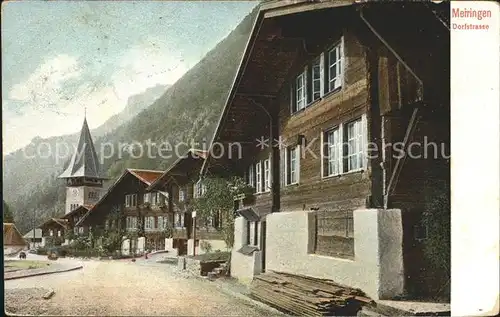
point(128, 204)
point(182, 183)
point(54, 229)
point(320, 85)
point(74, 216)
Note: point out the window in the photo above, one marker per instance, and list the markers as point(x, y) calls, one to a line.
point(258, 177)
point(131, 200)
point(179, 220)
point(215, 219)
point(315, 82)
point(300, 92)
point(332, 155)
point(292, 165)
point(131, 222)
point(252, 233)
point(147, 198)
point(182, 194)
point(93, 195)
point(58, 233)
point(199, 189)
point(80, 230)
point(344, 148)
point(251, 176)
point(267, 175)
point(334, 68)
point(162, 223)
point(149, 223)
point(73, 206)
point(354, 137)
point(75, 230)
point(320, 76)
point(154, 198)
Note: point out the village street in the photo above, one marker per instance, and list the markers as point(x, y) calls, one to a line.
point(123, 287)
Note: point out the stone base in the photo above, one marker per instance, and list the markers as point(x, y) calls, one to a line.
point(377, 268)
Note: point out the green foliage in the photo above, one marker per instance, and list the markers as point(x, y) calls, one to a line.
point(206, 246)
point(81, 243)
point(219, 197)
point(7, 214)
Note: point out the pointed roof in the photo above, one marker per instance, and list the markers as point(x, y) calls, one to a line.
point(12, 236)
point(84, 162)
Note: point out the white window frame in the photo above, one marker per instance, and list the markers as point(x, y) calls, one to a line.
point(294, 167)
point(80, 230)
point(131, 222)
point(182, 194)
point(258, 177)
point(179, 220)
point(154, 198)
point(355, 145)
point(338, 78)
point(162, 222)
point(267, 175)
point(251, 175)
point(300, 101)
point(333, 155)
point(316, 63)
point(149, 223)
point(147, 198)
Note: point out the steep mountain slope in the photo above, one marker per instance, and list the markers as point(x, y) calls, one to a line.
point(188, 111)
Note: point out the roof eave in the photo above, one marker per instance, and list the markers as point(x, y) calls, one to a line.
point(241, 68)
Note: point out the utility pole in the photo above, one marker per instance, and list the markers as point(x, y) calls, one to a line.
point(194, 232)
point(34, 227)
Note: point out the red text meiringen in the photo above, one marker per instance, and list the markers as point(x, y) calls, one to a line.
point(471, 13)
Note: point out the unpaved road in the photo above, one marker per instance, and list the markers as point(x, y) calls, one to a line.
point(107, 288)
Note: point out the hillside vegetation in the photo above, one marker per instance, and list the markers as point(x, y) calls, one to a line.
point(188, 111)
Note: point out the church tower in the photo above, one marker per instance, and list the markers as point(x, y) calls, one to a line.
point(84, 181)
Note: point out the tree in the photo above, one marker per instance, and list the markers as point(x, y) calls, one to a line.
point(219, 198)
point(7, 214)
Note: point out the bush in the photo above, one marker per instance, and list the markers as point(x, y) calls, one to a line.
point(41, 251)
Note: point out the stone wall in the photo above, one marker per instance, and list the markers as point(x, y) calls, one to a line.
point(244, 267)
point(215, 244)
point(377, 267)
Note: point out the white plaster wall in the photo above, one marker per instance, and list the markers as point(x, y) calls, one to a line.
point(216, 245)
point(243, 267)
point(141, 243)
point(377, 267)
point(169, 246)
point(126, 247)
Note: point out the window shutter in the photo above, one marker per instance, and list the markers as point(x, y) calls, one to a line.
point(364, 144)
point(341, 148)
point(283, 166)
point(322, 152)
point(298, 154)
point(293, 105)
point(306, 86)
point(322, 74)
point(308, 78)
point(342, 62)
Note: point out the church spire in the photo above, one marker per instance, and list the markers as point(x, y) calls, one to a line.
point(84, 162)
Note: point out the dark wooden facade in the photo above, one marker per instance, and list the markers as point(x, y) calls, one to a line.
point(398, 84)
point(54, 229)
point(182, 176)
point(74, 217)
point(133, 182)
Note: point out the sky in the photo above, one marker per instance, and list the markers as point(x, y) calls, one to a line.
point(62, 57)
